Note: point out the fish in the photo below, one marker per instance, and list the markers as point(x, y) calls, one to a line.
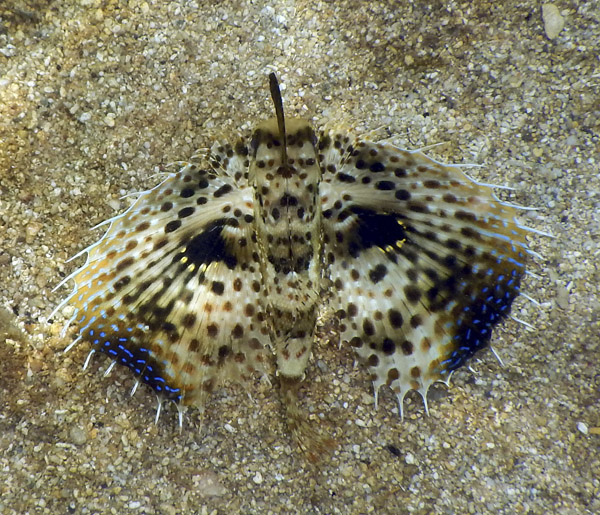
point(236, 265)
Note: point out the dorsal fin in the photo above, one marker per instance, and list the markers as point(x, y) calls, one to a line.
point(278, 102)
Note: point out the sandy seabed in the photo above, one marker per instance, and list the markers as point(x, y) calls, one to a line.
point(97, 96)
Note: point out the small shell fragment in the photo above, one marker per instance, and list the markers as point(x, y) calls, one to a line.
point(553, 20)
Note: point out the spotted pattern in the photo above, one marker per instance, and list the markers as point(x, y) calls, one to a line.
point(225, 269)
point(179, 301)
point(423, 245)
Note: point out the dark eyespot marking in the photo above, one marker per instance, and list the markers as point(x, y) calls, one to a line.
point(166, 206)
point(373, 230)
point(208, 246)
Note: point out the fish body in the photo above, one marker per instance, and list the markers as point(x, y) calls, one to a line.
point(225, 270)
